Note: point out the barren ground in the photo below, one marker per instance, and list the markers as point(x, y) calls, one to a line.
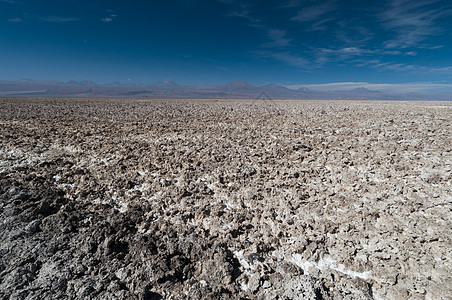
point(225, 199)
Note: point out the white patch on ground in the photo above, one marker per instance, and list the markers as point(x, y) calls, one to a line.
point(106, 161)
point(239, 255)
point(324, 264)
point(69, 149)
point(156, 197)
point(123, 207)
point(228, 206)
point(179, 180)
point(246, 269)
point(244, 286)
point(144, 187)
point(16, 158)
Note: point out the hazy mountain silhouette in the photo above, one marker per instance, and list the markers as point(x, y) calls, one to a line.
point(273, 88)
point(171, 89)
point(238, 86)
point(362, 90)
point(165, 84)
point(303, 89)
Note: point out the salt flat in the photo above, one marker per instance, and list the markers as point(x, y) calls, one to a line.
point(160, 198)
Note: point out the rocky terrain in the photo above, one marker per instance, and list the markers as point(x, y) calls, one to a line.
point(225, 199)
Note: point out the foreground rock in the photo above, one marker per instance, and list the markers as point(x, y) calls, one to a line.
point(150, 199)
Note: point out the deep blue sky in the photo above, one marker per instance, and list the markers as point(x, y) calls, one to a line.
point(384, 45)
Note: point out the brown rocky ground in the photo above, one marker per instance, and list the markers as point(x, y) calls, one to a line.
point(224, 199)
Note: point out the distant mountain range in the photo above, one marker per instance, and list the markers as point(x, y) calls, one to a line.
point(170, 89)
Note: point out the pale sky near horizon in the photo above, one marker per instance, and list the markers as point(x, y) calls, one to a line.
point(392, 45)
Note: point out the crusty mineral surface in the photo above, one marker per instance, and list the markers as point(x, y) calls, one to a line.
point(225, 199)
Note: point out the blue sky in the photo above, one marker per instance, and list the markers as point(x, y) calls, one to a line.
point(396, 45)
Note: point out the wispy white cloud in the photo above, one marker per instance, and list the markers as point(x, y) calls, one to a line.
point(321, 25)
point(392, 52)
point(354, 54)
point(43, 18)
point(410, 87)
point(438, 70)
point(351, 32)
point(325, 55)
point(352, 40)
point(226, 1)
point(291, 4)
point(402, 67)
point(333, 86)
point(11, 1)
point(285, 57)
point(55, 19)
point(348, 51)
point(315, 12)
point(244, 10)
point(397, 67)
point(15, 20)
point(431, 47)
point(389, 65)
point(110, 17)
point(278, 38)
point(412, 21)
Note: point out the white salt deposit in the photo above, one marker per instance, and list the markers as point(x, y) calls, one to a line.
point(324, 264)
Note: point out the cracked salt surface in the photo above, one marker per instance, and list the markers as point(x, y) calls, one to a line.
point(324, 264)
point(386, 215)
point(297, 259)
point(246, 268)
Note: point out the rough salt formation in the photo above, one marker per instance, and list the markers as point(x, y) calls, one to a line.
point(224, 199)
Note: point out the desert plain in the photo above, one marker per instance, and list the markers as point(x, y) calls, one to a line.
point(225, 199)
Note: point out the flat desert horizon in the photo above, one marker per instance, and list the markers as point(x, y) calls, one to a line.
point(113, 198)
